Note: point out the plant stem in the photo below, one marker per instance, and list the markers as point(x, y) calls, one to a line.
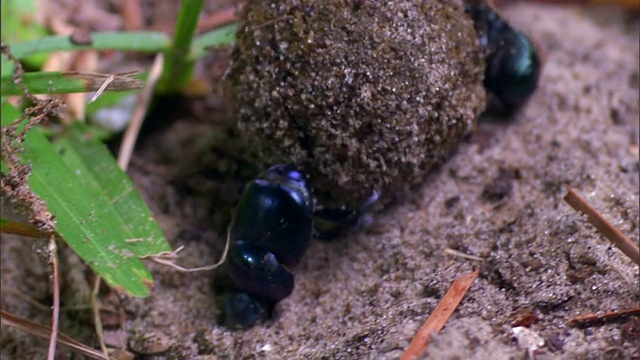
point(140, 41)
point(178, 67)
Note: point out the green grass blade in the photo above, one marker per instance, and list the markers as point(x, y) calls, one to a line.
point(6, 67)
point(178, 68)
point(86, 221)
point(225, 35)
point(139, 41)
point(19, 22)
point(102, 176)
point(55, 82)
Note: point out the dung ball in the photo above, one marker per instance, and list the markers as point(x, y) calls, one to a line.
point(362, 95)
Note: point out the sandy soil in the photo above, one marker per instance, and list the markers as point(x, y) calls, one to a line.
point(363, 297)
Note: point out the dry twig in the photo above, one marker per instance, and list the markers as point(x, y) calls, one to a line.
point(591, 318)
point(97, 320)
point(131, 135)
point(55, 317)
point(168, 259)
point(44, 332)
point(460, 254)
point(21, 229)
point(25, 297)
point(605, 227)
point(121, 81)
point(627, 4)
point(131, 14)
point(440, 315)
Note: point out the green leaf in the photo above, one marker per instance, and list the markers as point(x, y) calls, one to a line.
point(7, 67)
point(55, 82)
point(140, 41)
point(102, 176)
point(225, 35)
point(19, 24)
point(105, 237)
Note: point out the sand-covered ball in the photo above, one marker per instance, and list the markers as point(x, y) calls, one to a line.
point(363, 95)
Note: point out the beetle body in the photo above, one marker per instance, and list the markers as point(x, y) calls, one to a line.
point(512, 63)
point(270, 233)
point(274, 220)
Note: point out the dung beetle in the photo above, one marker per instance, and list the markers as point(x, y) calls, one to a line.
point(332, 222)
point(512, 62)
point(269, 235)
point(275, 218)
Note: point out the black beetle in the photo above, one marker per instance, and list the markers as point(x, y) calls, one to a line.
point(513, 65)
point(274, 220)
point(331, 222)
point(269, 235)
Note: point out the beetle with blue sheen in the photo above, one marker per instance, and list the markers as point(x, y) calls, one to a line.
point(274, 221)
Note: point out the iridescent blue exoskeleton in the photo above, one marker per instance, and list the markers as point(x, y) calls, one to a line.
point(512, 62)
point(269, 235)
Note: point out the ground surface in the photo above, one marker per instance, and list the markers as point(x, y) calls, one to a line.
point(499, 198)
